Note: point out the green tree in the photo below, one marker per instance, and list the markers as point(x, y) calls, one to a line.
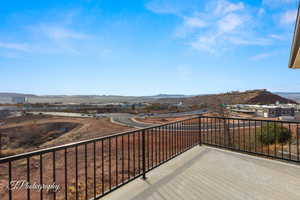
point(274, 133)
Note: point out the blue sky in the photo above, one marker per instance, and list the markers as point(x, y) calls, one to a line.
point(146, 47)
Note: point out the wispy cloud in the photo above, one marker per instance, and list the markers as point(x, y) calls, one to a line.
point(262, 56)
point(15, 46)
point(277, 37)
point(288, 17)
point(60, 32)
point(276, 3)
point(194, 22)
point(224, 7)
point(57, 36)
point(218, 25)
point(230, 22)
point(48, 35)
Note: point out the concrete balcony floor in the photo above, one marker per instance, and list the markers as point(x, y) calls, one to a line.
point(212, 174)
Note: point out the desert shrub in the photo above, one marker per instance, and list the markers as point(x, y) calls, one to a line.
point(274, 133)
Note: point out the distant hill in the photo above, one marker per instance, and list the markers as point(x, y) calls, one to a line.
point(7, 94)
point(247, 97)
point(6, 97)
point(290, 95)
point(163, 96)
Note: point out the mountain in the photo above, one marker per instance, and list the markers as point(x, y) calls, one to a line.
point(247, 97)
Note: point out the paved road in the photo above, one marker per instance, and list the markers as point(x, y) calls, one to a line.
point(127, 120)
point(177, 114)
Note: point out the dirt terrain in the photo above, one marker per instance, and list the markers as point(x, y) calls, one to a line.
point(35, 132)
point(247, 97)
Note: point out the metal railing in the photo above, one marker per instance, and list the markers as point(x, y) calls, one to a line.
point(269, 138)
point(91, 169)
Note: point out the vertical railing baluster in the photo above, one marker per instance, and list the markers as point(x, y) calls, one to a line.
point(268, 136)
point(255, 135)
point(9, 181)
point(180, 129)
point(148, 149)
point(261, 144)
point(200, 130)
point(249, 135)
point(95, 174)
point(290, 153)
point(102, 163)
point(139, 151)
point(185, 129)
point(211, 129)
point(41, 175)
point(239, 134)
point(152, 147)
point(76, 171)
point(244, 134)
point(171, 138)
point(166, 136)
point(233, 134)
point(281, 142)
point(109, 162)
point(215, 131)
point(159, 145)
point(86, 171)
point(224, 127)
point(297, 137)
point(66, 174)
point(133, 146)
point(144, 153)
point(128, 155)
point(123, 158)
point(116, 162)
point(28, 177)
point(275, 130)
point(219, 132)
point(53, 173)
point(156, 145)
point(182, 132)
point(166, 144)
point(191, 133)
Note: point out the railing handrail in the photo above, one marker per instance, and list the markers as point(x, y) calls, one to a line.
point(247, 119)
point(74, 144)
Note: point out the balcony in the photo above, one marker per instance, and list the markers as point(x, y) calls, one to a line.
point(197, 158)
point(210, 173)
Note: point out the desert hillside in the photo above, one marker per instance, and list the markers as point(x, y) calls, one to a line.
point(247, 97)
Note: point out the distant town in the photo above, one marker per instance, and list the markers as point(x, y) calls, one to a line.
point(260, 103)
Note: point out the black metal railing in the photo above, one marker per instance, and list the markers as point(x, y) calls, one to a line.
point(270, 138)
point(91, 169)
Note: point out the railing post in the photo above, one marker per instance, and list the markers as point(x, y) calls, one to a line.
point(144, 154)
point(200, 131)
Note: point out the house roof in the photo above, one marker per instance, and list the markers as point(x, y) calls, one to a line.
point(294, 61)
